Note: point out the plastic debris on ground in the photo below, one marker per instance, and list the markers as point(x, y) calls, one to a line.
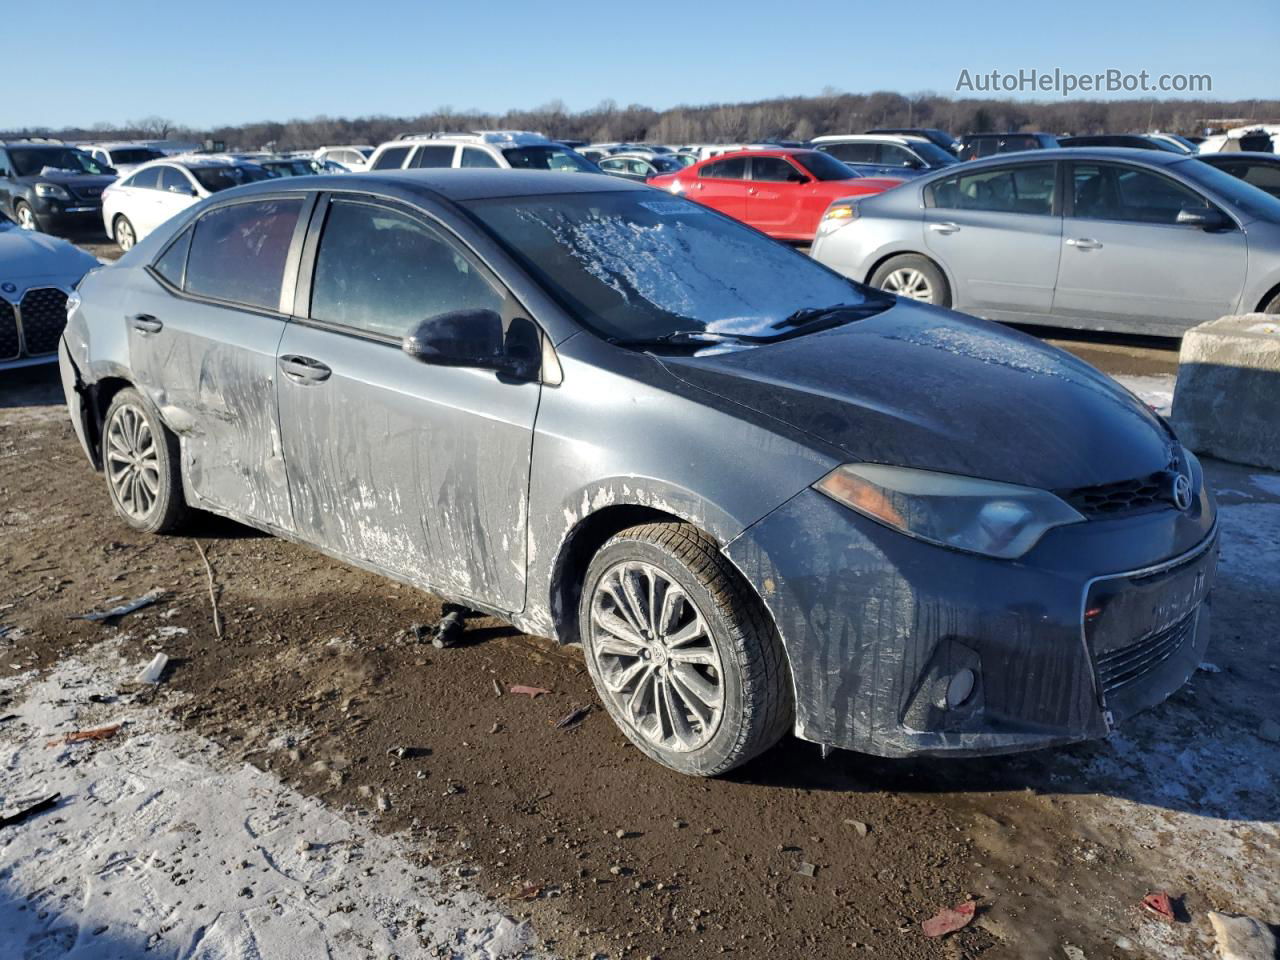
point(531, 692)
point(1159, 904)
point(152, 672)
point(112, 616)
point(950, 919)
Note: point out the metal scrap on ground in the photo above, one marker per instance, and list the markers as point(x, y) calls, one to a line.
point(48, 803)
point(573, 718)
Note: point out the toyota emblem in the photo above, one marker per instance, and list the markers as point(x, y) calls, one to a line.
point(1181, 491)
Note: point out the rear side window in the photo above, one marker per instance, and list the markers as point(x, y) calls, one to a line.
point(734, 168)
point(1026, 188)
point(383, 272)
point(174, 261)
point(434, 157)
point(238, 252)
point(391, 159)
point(149, 178)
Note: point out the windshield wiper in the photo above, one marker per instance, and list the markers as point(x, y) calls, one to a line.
point(810, 318)
point(697, 338)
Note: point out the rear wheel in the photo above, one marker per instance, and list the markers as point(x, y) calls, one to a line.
point(682, 651)
point(25, 215)
point(123, 231)
point(141, 460)
point(913, 276)
point(1272, 305)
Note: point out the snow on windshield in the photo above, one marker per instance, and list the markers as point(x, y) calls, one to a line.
point(649, 267)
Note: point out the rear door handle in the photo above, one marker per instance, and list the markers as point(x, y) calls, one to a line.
point(1084, 243)
point(145, 323)
point(946, 228)
point(304, 369)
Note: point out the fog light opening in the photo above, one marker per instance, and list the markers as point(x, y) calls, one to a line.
point(960, 688)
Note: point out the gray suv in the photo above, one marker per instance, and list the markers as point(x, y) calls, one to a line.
point(1135, 241)
point(52, 187)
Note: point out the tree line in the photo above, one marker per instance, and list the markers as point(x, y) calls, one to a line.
point(798, 118)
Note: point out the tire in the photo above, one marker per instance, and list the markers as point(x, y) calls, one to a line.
point(1273, 305)
point(25, 216)
point(123, 234)
point(141, 462)
point(714, 642)
point(910, 272)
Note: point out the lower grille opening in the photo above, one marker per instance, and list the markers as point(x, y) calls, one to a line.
point(1119, 668)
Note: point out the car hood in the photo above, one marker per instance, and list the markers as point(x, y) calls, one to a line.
point(922, 387)
point(25, 255)
point(82, 183)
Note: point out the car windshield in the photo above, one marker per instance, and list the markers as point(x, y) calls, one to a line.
point(1244, 197)
point(29, 161)
point(824, 166)
point(547, 158)
point(933, 154)
point(637, 265)
point(134, 155)
point(215, 178)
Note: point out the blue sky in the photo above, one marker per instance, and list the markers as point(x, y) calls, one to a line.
point(213, 63)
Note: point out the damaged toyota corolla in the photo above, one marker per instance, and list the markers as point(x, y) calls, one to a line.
point(762, 497)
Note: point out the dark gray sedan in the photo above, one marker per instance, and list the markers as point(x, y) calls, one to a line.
point(764, 498)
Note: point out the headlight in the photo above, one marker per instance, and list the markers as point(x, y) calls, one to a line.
point(979, 516)
point(838, 214)
point(73, 302)
point(52, 190)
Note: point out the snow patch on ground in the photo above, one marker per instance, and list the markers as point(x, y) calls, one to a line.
point(161, 846)
point(1155, 391)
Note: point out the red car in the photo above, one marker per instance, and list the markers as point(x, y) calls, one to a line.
point(782, 192)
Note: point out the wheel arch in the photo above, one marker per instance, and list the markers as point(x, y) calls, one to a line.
point(98, 396)
point(1267, 297)
point(886, 257)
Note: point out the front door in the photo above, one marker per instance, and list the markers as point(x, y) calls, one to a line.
point(417, 469)
point(998, 232)
point(1127, 263)
point(202, 346)
point(776, 196)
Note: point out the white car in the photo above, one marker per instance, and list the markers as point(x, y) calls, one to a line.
point(353, 158)
point(136, 205)
point(501, 149)
point(37, 274)
point(124, 158)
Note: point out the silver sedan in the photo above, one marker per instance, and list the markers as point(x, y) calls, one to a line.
point(1134, 241)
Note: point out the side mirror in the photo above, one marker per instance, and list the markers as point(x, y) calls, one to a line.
point(1206, 218)
point(471, 338)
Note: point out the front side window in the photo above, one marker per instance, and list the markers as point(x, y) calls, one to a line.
point(822, 166)
point(473, 157)
point(895, 156)
point(1105, 191)
point(851, 152)
point(174, 180)
point(774, 170)
point(1025, 188)
point(238, 252)
point(635, 265)
point(383, 272)
point(613, 165)
point(434, 157)
point(731, 168)
point(391, 159)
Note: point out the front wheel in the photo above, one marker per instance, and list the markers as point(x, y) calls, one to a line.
point(682, 651)
point(915, 277)
point(26, 217)
point(141, 460)
point(125, 236)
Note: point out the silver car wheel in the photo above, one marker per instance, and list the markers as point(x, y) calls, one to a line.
point(909, 282)
point(133, 462)
point(124, 234)
point(26, 219)
point(656, 656)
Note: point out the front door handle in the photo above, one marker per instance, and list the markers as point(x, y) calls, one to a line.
point(145, 323)
point(1084, 243)
point(304, 369)
point(752, 192)
point(947, 227)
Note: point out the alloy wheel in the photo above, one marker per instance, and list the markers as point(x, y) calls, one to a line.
point(656, 656)
point(133, 462)
point(26, 219)
point(909, 282)
point(124, 234)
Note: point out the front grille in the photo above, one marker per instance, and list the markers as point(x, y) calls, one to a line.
point(1119, 668)
point(44, 315)
point(86, 193)
point(8, 331)
point(1127, 496)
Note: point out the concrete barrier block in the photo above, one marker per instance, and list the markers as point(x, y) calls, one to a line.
point(1227, 400)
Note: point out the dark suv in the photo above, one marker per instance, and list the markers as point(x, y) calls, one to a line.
point(52, 187)
point(974, 145)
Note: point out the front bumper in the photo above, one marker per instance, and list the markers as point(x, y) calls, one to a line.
point(876, 625)
point(67, 216)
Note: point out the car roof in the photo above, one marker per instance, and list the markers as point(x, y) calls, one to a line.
point(1239, 155)
point(902, 138)
point(1155, 157)
point(456, 185)
point(763, 152)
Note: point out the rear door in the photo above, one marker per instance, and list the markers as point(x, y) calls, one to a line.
point(415, 469)
point(202, 344)
point(1126, 262)
point(998, 233)
point(434, 156)
point(722, 185)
